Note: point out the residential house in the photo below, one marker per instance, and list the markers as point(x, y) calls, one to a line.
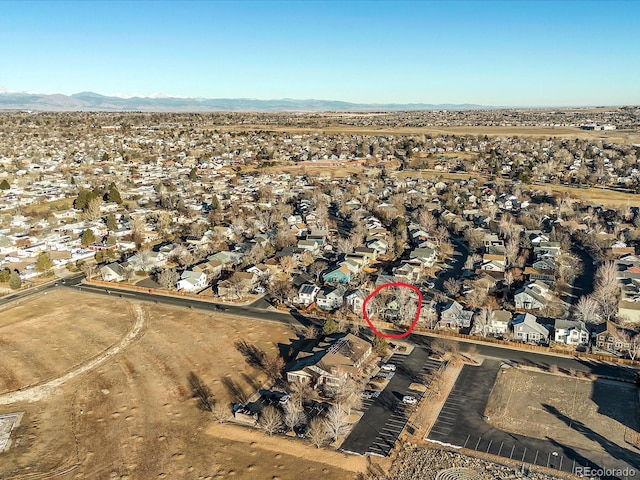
point(453, 315)
point(533, 296)
point(570, 332)
point(499, 322)
point(355, 300)
point(212, 268)
point(192, 281)
point(330, 298)
point(609, 337)
point(340, 275)
point(426, 256)
point(112, 272)
point(527, 329)
point(307, 294)
point(239, 285)
point(331, 360)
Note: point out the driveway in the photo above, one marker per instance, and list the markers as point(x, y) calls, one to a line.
point(385, 417)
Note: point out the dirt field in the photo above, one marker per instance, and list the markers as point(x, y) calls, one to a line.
point(43, 338)
point(132, 415)
point(572, 411)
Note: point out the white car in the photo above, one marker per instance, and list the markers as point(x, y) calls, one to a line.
point(284, 399)
point(409, 399)
point(430, 285)
point(388, 367)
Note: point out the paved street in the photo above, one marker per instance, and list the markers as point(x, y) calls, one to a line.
point(539, 359)
point(385, 417)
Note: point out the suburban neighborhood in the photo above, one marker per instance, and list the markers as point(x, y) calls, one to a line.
point(363, 245)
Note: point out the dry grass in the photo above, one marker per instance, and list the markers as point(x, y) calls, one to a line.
point(133, 416)
point(544, 405)
point(44, 337)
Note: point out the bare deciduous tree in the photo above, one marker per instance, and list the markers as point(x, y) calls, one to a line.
point(270, 419)
point(167, 278)
point(427, 220)
point(317, 433)
point(288, 264)
point(293, 416)
point(220, 413)
point(93, 209)
point(586, 310)
point(345, 245)
point(452, 287)
point(336, 422)
point(481, 322)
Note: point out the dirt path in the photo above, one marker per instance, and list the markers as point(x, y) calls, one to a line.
point(44, 390)
point(295, 447)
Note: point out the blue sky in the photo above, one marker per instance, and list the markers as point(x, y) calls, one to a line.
point(492, 53)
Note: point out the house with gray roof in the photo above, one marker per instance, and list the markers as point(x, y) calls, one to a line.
point(570, 332)
point(527, 329)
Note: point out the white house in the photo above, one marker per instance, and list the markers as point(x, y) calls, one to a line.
point(112, 272)
point(331, 298)
point(571, 332)
point(499, 322)
point(355, 300)
point(191, 281)
point(307, 293)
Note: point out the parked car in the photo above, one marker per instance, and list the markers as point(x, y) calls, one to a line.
point(370, 394)
point(430, 285)
point(409, 399)
point(284, 399)
point(388, 367)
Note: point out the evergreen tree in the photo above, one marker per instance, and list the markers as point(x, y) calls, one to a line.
point(112, 224)
point(192, 174)
point(329, 327)
point(82, 200)
point(43, 264)
point(15, 282)
point(5, 273)
point(4, 185)
point(88, 237)
point(114, 195)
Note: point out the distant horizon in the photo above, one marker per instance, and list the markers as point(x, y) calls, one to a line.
point(533, 54)
point(164, 96)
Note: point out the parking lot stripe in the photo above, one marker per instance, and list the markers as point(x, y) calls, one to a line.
point(383, 446)
point(447, 415)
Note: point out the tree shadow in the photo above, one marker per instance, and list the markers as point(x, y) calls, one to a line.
point(234, 389)
point(618, 401)
point(614, 450)
point(575, 459)
point(201, 392)
point(251, 381)
point(252, 354)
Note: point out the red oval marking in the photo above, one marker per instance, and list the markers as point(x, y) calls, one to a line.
point(415, 319)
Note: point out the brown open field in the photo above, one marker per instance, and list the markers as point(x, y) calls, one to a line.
point(43, 338)
point(572, 411)
point(129, 414)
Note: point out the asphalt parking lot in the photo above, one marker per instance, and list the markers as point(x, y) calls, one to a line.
point(462, 424)
point(385, 416)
